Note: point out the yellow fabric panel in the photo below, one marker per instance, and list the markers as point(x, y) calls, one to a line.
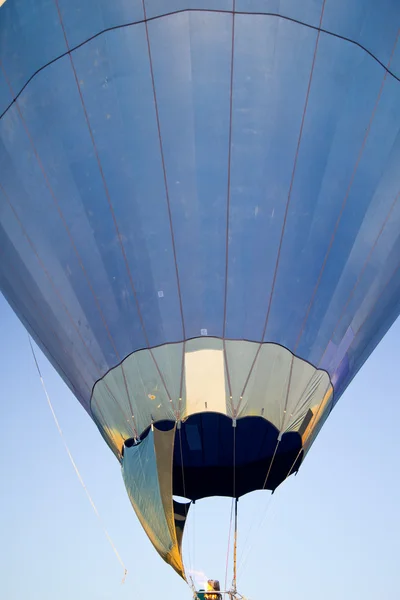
point(318, 411)
point(164, 448)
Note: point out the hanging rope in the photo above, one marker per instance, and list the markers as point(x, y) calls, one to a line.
point(248, 548)
point(193, 514)
point(229, 545)
point(244, 557)
point(75, 466)
point(191, 565)
point(234, 581)
point(248, 545)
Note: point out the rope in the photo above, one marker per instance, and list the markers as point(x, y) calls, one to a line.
point(193, 513)
point(75, 466)
point(247, 546)
point(191, 565)
point(229, 545)
point(234, 581)
point(234, 461)
point(244, 558)
point(264, 485)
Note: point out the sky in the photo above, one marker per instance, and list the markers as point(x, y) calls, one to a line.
point(332, 531)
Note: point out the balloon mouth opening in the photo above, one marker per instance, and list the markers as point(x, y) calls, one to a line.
point(208, 450)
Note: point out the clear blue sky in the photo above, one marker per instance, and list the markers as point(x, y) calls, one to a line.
point(332, 532)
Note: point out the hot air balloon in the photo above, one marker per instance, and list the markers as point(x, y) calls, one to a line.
point(200, 225)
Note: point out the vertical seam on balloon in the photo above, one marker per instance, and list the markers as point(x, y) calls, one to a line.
point(288, 392)
point(43, 316)
point(346, 197)
point(377, 299)
point(42, 265)
point(110, 206)
point(179, 411)
point(288, 200)
point(366, 262)
point(234, 462)
point(108, 197)
point(167, 197)
point(52, 193)
point(129, 399)
point(228, 203)
point(371, 309)
point(49, 187)
point(199, 10)
point(58, 294)
point(271, 463)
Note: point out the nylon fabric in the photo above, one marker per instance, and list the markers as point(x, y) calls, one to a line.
point(164, 449)
point(63, 268)
point(147, 473)
point(139, 470)
point(281, 389)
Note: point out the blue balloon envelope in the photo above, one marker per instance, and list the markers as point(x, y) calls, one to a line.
point(200, 224)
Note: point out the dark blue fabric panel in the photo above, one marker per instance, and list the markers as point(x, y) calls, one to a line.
point(207, 447)
point(208, 440)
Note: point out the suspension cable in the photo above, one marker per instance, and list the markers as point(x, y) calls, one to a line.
point(248, 545)
point(110, 541)
point(313, 423)
point(229, 545)
point(234, 581)
point(191, 565)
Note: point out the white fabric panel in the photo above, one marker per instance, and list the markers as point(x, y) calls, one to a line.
point(266, 390)
point(307, 388)
point(275, 385)
point(205, 381)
